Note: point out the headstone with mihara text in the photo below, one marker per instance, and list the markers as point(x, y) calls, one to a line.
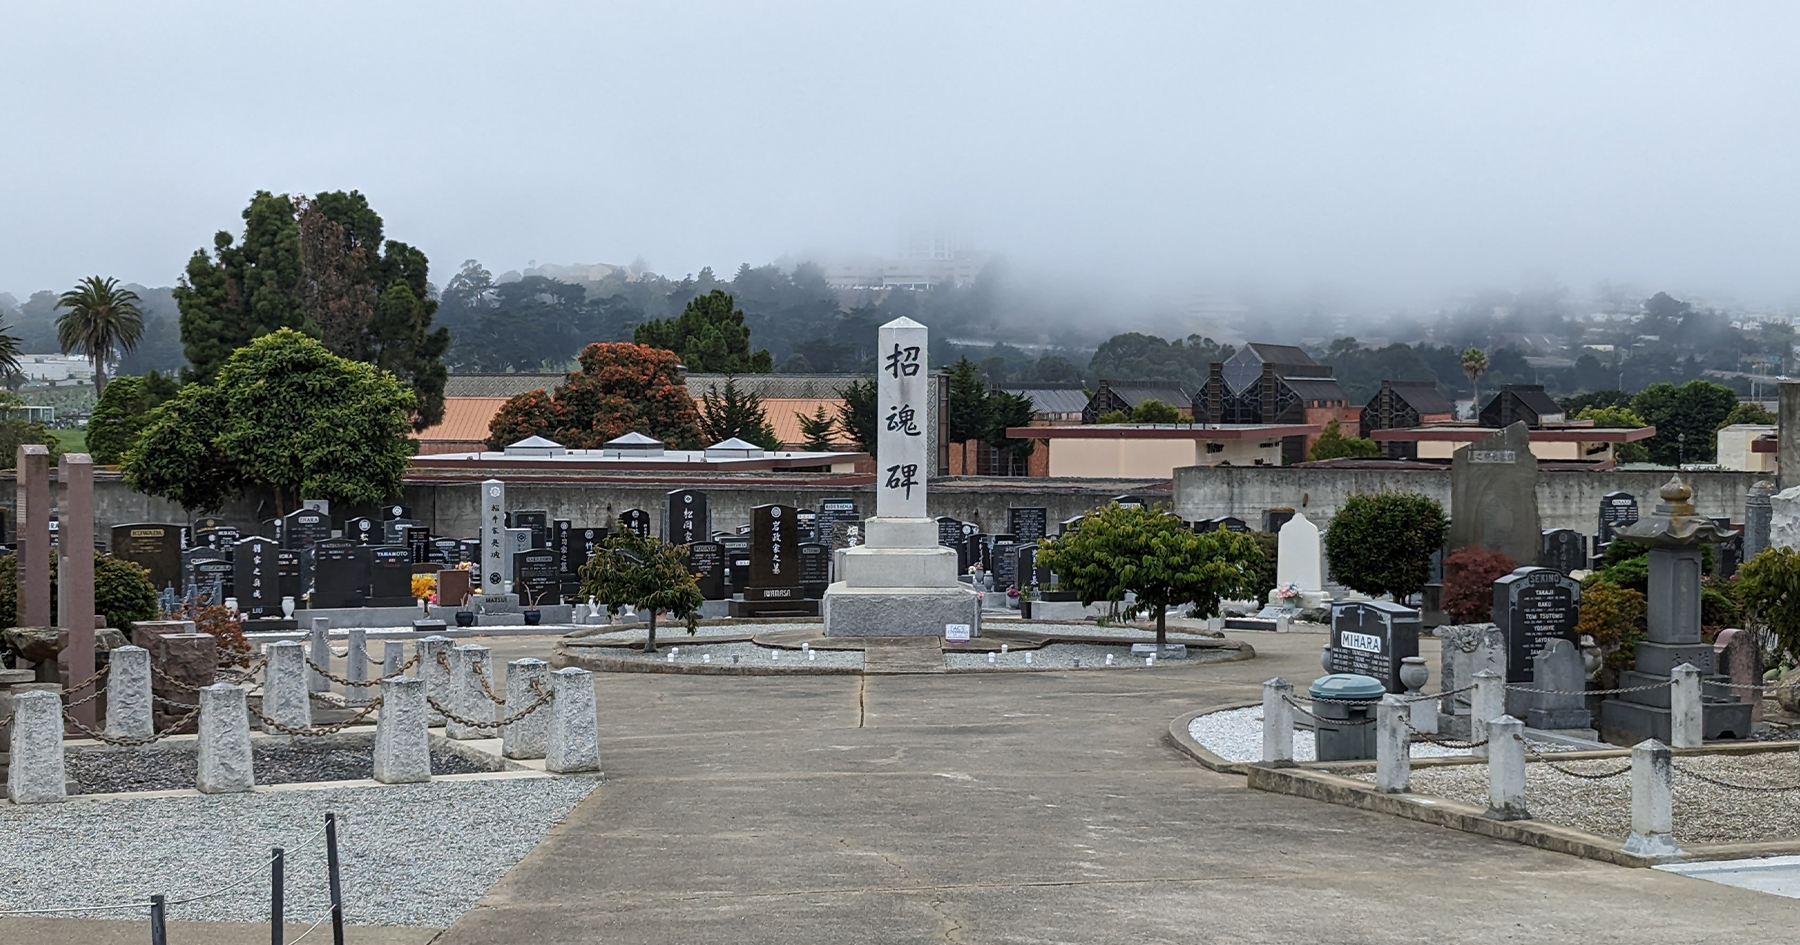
point(1371, 637)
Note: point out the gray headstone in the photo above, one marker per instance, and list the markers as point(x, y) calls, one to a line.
point(1558, 666)
point(1493, 495)
point(1758, 513)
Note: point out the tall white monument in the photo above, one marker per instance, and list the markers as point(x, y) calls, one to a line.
point(900, 582)
point(1299, 562)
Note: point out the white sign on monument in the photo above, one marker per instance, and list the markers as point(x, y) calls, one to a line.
point(901, 445)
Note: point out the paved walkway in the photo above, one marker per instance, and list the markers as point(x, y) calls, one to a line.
point(1032, 807)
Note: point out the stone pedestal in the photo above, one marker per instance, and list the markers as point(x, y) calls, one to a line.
point(36, 774)
point(573, 743)
point(183, 662)
point(225, 761)
point(285, 696)
point(129, 711)
point(468, 668)
point(896, 591)
point(402, 740)
point(434, 654)
point(528, 736)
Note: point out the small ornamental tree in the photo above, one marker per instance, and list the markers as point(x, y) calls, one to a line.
point(648, 573)
point(1469, 576)
point(282, 414)
point(1154, 555)
point(1155, 411)
point(1382, 542)
point(621, 388)
point(1768, 587)
point(1333, 444)
point(1615, 617)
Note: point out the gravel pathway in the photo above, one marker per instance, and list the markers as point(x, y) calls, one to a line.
point(1075, 656)
point(419, 854)
point(1703, 813)
point(105, 772)
point(1236, 735)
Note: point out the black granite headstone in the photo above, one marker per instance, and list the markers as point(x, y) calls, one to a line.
point(1129, 501)
point(390, 575)
point(256, 583)
point(809, 524)
point(582, 542)
point(538, 520)
point(469, 549)
point(815, 569)
point(737, 562)
point(707, 560)
point(537, 577)
point(363, 531)
point(1273, 519)
point(1069, 524)
point(1533, 606)
point(305, 527)
point(835, 517)
point(395, 512)
point(213, 576)
point(1371, 637)
point(1003, 554)
point(636, 520)
point(290, 574)
point(340, 576)
point(156, 548)
point(1564, 549)
point(272, 529)
point(774, 548)
point(1617, 510)
point(685, 516)
point(417, 539)
point(446, 551)
point(393, 531)
point(1028, 524)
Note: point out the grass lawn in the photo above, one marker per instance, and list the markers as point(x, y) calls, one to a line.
point(72, 441)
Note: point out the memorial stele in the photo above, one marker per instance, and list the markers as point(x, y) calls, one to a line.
point(900, 581)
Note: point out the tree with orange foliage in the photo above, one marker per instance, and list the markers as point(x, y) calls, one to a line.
point(621, 388)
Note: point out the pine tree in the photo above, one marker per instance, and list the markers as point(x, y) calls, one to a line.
point(857, 416)
point(817, 429)
point(709, 336)
point(736, 413)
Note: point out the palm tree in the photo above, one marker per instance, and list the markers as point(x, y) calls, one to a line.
point(1475, 364)
point(101, 319)
point(9, 358)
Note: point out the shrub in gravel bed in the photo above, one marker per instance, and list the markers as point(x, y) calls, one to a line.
point(108, 772)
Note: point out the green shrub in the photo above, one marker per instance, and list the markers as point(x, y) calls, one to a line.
point(1614, 616)
point(122, 591)
point(1382, 542)
point(1768, 588)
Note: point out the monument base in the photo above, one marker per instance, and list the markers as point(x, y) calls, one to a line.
point(773, 607)
point(1308, 600)
point(898, 611)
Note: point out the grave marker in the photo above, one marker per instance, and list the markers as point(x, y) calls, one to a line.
point(1563, 549)
point(1028, 524)
point(636, 520)
point(535, 520)
point(1371, 637)
point(363, 531)
point(815, 569)
point(304, 527)
point(1493, 495)
point(1533, 606)
point(340, 576)
point(1617, 510)
point(390, 576)
point(835, 517)
point(537, 577)
point(685, 516)
point(257, 584)
point(156, 548)
point(707, 560)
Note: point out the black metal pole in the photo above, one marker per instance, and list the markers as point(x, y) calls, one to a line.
point(331, 868)
point(157, 934)
point(277, 905)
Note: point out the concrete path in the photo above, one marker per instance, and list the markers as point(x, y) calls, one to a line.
point(1027, 808)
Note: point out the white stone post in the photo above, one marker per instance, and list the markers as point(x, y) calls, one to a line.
point(1424, 713)
point(1278, 722)
point(393, 656)
point(1506, 769)
point(1488, 704)
point(435, 673)
point(225, 765)
point(1652, 790)
point(36, 774)
point(1685, 729)
point(128, 704)
point(1393, 749)
point(573, 743)
point(526, 737)
point(319, 642)
point(469, 666)
point(285, 698)
point(402, 739)
point(356, 667)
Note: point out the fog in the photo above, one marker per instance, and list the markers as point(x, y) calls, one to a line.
point(1387, 153)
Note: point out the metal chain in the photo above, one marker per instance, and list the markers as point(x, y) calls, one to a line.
point(241, 676)
point(445, 663)
point(173, 704)
point(315, 730)
point(1589, 692)
point(97, 693)
point(71, 690)
point(1553, 766)
point(1752, 788)
point(136, 740)
point(1436, 739)
point(178, 684)
point(1345, 722)
point(346, 681)
point(542, 700)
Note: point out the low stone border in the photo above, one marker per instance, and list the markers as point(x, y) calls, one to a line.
point(1190, 746)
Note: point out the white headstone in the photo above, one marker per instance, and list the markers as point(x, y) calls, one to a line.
point(1784, 518)
point(1298, 560)
point(903, 449)
point(494, 560)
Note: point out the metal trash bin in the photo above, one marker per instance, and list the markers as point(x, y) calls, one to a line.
point(1344, 727)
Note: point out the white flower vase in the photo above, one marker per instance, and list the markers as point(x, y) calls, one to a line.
point(287, 607)
point(231, 605)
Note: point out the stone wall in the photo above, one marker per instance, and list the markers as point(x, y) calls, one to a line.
point(1565, 499)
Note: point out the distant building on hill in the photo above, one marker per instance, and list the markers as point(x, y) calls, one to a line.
point(1403, 405)
point(1274, 384)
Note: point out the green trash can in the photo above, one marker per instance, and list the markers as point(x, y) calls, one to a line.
point(1344, 728)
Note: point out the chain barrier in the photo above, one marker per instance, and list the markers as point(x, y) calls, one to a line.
point(1432, 738)
point(1687, 772)
point(1408, 700)
point(1352, 723)
point(1515, 687)
point(173, 704)
point(444, 661)
point(134, 740)
point(241, 676)
point(316, 730)
point(543, 699)
point(1553, 766)
point(97, 693)
point(71, 690)
point(177, 683)
point(346, 681)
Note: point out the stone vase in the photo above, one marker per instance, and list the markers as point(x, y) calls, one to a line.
point(287, 607)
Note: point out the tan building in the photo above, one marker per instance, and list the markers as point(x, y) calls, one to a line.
point(1153, 451)
point(1561, 442)
point(1747, 446)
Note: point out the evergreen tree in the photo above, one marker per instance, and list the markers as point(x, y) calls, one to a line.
point(243, 290)
point(970, 417)
point(858, 418)
point(621, 388)
point(817, 429)
point(736, 412)
point(709, 336)
point(122, 412)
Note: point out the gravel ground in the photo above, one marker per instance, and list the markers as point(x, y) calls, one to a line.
point(105, 772)
point(676, 634)
point(1703, 813)
point(1064, 656)
point(1236, 735)
point(417, 854)
point(723, 653)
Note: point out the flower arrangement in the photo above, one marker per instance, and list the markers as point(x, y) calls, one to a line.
point(424, 587)
point(1012, 592)
point(1288, 594)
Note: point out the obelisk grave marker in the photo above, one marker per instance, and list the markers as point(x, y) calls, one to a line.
point(900, 582)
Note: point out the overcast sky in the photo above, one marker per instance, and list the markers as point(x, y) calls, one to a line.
point(1399, 148)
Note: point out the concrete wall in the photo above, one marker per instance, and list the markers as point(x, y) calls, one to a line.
point(1084, 457)
point(1735, 451)
point(1787, 443)
point(1565, 499)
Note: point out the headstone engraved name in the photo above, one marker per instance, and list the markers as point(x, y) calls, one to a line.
point(290, 574)
point(494, 559)
point(1493, 495)
point(537, 577)
point(686, 516)
point(1617, 510)
point(1371, 637)
point(156, 548)
point(835, 517)
point(304, 527)
point(707, 560)
point(636, 520)
point(1003, 554)
point(257, 586)
point(340, 576)
point(1564, 549)
point(815, 569)
point(1533, 606)
point(537, 520)
point(1028, 524)
point(390, 576)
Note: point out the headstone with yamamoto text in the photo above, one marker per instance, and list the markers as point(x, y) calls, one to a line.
point(1371, 637)
point(390, 575)
point(154, 547)
point(707, 560)
point(1564, 549)
point(1533, 606)
point(636, 520)
point(1028, 524)
point(1493, 495)
point(686, 518)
